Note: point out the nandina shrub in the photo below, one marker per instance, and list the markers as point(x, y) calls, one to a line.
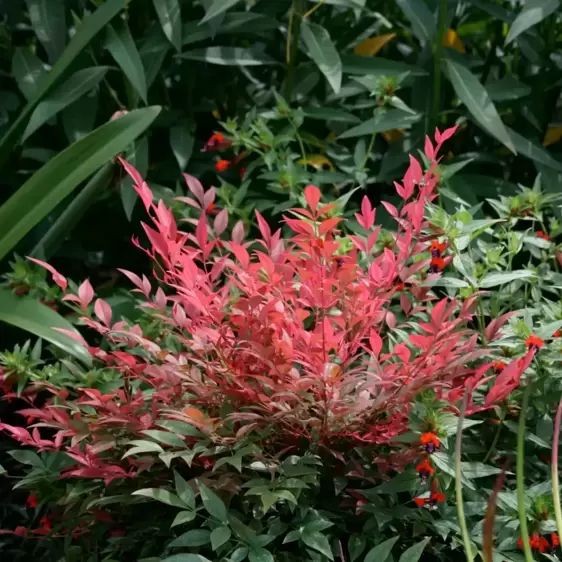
point(289, 373)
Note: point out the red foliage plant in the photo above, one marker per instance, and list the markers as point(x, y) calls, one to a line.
point(290, 339)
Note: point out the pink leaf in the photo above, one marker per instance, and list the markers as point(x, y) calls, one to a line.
point(85, 294)
point(312, 195)
point(238, 232)
point(57, 277)
point(194, 185)
point(428, 148)
point(103, 312)
point(264, 228)
point(375, 342)
point(221, 222)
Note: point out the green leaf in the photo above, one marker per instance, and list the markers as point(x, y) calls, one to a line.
point(329, 114)
point(496, 278)
point(182, 428)
point(318, 542)
point(380, 552)
point(182, 141)
point(184, 491)
point(533, 151)
point(195, 537)
point(79, 118)
point(48, 21)
point(32, 316)
point(89, 28)
point(169, 14)
point(28, 70)
point(472, 470)
point(70, 217)
point(413, 554)
point(142, 446)
point(384, 121)
point(153, 51)
point(422, 20)
point(377, 66)
point(403, 482)
point(121, 45)
point(228, 56)
point(506, 89)
point(239, 554)
point(534, 12)
point(216, 8)
point(213, 504)
point(161, 495)
point(478, 102)
point(27, 457)
point(165, 437)
point(40, 194)
point(183, 517)
point(322, 51)
point(186, 558)
point(260, 555)
point(65, 94)
point(219, 536)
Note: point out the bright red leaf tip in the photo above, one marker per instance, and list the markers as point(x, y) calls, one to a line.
point(534, 342)
point(420, 502)
point(312, 196)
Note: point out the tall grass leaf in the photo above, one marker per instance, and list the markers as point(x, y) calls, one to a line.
point(169, 15)
point(534, 12)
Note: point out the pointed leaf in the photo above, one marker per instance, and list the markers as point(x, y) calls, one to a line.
point(121, 45)
point(318, 542)
point(380, 552)
point(184, 491)
point(323, 52)
point(169, 14)
point(160, 495)
point(195, 537)
point(213, 504)
point(477, 101)
point(216, 8)
point(378, 66)
point(534, 12)
point(497, 278)
point(422, 20)
point(219, 536)
point(28, 70)
point(65, 94)
point(36, 318)
point(182, 141)
point(413, 554)
point(533, 150)
point(48, 21)
point(40, 194)
point(386, 121)
point(260, 555)
point(370, 47)
point(227, 56)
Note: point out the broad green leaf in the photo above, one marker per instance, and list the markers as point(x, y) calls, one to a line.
point(413, 554)
point(216, 8)
point(377, 66)
point(422, 20)
point(165, 437)
point(182, 141)
point(183, 517)
point(318, 542)
point(228, 56)
point(384, 121)
point(169, 14)
point(142, 446)
point(219, 536)
point(62, 96)
point(182, 428)
point(508, 88)
point(153, 51)
point(88, 29)
point(322, 51)
point(260, 555)
point(161, 495)
point(40, 194)
point(36, 318)
point(477, 101)
point(195, 537)
point(186, 558)
point(70, 217)
point(48, 21)
point(79, 118)
point(478, 470)
point(27, 457)
point(184, 491)
point(330, 114)
point(534, 12)
point(403, 482)
point(28, 70)
point(239, 554)
point(496, 278)
point(380, 552)
point(533, 150)
point(213, 504)
point(120, 43)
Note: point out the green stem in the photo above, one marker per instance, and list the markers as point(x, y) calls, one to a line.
point(437, 56)
point(555, 481)
point(458, 483)
point(369, 149)
point(293, 39)
point(521, 476)
point(495, 440)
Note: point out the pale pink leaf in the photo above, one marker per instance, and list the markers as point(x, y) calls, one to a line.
point(59, 279)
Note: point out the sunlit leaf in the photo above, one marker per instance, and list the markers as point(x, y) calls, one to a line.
point(422, 20)
point(227, 56)
point(370, 47)
point(534, 12)
point(169, 14)
point(453, 41)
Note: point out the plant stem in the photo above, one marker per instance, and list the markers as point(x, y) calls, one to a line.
point(312, 10)
point(458, 483)
point(437, 56)
point(293, 39)
point(495, 440)
point(555, 481)
point(521, 476)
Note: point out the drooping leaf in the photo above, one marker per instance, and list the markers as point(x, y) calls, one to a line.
point(532, 150)
point(48, 21)
point(184, 491)
point(380, 552)
point(370, 47)
point(227, 56)
point(385, 121)
point(40, 194)
point(68, 92)
point(497, 278)
point(318, 542)
point(28, 70)
point(477, 101)
point(216, 8)
point(182, 141)
point(36, 318)
point(169, 14)
point(121, 45)
point(322, 51)
point(413, 554)
point(219, 536)
point(163, 496)
point(87, 30)
point(534, 12)
point(213, 504)
point(195, 537)
point(422, 20)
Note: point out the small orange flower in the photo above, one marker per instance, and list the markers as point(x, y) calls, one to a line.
point(498, 366)
point(437, 264)
point(425, 470)
point(430, 441)
point(437, 497)
point(543, 545)
point(543, 235)
point(437, 247)
point(216, 142)
point(420, 502)
point(534, 342)
point(212, 209)
point(222, 165)
point(554, 539)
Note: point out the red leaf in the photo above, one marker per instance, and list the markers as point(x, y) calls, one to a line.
point(312, 195)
